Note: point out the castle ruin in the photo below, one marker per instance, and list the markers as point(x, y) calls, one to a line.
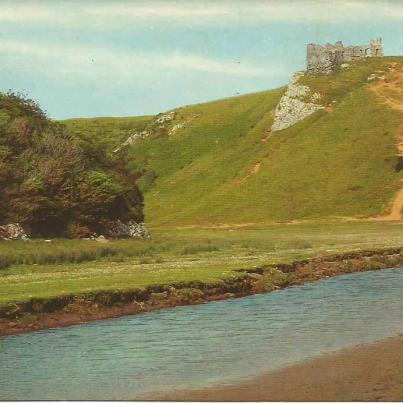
point(324, 59)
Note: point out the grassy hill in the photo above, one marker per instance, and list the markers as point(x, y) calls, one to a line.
point(218, 163)
point(224, 167)
point(108, 132)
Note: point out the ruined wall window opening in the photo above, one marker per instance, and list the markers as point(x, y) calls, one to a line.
point(324, 59)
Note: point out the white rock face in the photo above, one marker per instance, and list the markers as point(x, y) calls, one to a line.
point(13, 232)
point(181, 125)
point(372, 77)
point(297, 103)
point(167, 117)
point(176, 127)
point(162, 121)
point(131, 138)
point(130, 229)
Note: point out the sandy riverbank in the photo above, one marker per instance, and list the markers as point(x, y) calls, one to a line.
point(372, 372)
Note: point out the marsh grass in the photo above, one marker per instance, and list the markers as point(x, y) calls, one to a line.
point(199, 248)
point(69, 251)
point(38, 269)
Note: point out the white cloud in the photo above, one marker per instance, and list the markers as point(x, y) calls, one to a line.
point(250, 12)
point(114, 14)
point(93, 62)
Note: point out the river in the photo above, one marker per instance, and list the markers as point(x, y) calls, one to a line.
point(201, 345)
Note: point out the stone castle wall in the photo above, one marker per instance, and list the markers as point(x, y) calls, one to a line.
point(324, 59)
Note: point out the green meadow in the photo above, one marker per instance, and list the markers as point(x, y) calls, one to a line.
point(72, 267)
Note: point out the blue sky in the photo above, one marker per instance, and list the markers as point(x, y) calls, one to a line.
point(119, 58)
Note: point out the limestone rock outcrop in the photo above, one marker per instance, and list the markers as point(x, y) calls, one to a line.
point(131, 229)
point(163, 124)
point(13, 232)
point(166, 117)
point(297, 103)
point(182, 124)
point(130, 140)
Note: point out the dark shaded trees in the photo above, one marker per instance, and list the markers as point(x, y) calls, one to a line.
point(55, 184)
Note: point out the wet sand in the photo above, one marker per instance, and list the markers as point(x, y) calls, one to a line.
point(371, 372)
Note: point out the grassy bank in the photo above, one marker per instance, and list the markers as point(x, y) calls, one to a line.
point(72, 267)
point(190, 268)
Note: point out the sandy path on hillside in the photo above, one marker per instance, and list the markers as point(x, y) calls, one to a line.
point(395, 214)
point(255, 169)
point(380, 87)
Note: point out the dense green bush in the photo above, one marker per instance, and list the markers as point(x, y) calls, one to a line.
point(55, 184)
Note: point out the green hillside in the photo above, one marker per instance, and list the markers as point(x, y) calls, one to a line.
point(108, 132)
point(223, 167)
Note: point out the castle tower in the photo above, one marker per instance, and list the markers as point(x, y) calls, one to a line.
point(319, 59)
point(376, 48)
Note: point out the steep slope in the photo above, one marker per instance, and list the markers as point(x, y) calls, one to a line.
point(107, 132)
point(224, 166)
point(389, 87)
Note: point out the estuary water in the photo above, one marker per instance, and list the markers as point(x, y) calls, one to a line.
point(201, 345)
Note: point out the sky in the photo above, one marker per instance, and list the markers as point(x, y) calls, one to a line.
point(125, 58)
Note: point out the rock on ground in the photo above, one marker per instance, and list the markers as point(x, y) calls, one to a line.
point(130, 229)
point(13, 232)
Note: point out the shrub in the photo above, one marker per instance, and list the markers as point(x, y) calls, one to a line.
point(58, 185)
